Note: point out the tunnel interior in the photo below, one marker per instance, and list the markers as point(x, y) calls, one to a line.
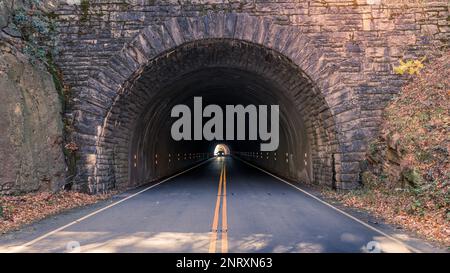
point(222, 148)
point(221, 72)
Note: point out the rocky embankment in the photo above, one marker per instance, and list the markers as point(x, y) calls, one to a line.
point(31, 133)
point(407, 171)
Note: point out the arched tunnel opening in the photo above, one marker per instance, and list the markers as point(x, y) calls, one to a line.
point(137, 139)
point(222, 149)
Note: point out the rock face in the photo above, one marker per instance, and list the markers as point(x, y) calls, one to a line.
point(385, 158)
point(31, 153)
point(412, 148)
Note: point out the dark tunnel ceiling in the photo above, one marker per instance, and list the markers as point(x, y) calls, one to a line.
point(221, 86)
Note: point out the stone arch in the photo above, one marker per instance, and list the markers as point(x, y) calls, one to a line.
point(106, 87)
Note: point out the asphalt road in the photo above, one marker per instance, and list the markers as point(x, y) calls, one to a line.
point(223, 205)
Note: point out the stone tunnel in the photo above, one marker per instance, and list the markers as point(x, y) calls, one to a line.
point(327, 65)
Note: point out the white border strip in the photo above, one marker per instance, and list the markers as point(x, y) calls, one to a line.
point(40, 238)
point(333, 207)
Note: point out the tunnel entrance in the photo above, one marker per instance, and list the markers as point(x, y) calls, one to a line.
point(222, 148)
point(137, 140)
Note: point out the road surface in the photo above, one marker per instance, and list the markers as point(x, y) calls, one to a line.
point(224, 205)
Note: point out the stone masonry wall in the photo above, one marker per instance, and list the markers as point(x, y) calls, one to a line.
point(362, 40)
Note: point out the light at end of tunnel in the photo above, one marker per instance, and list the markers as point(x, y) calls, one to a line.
point(221, 149)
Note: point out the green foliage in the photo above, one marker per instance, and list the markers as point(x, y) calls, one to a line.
point(373, 147)
point(416, 207)
point(369, 181)
point(383, 177)
point(84, 5)
point(423, 155)
point(412, 176)
point(37, 31)
point(423, 116)
point(410, 67)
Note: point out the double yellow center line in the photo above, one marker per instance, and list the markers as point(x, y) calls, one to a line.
point(221, 198)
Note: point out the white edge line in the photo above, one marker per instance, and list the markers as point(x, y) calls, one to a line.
point(333, 207)
point(21, 247)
